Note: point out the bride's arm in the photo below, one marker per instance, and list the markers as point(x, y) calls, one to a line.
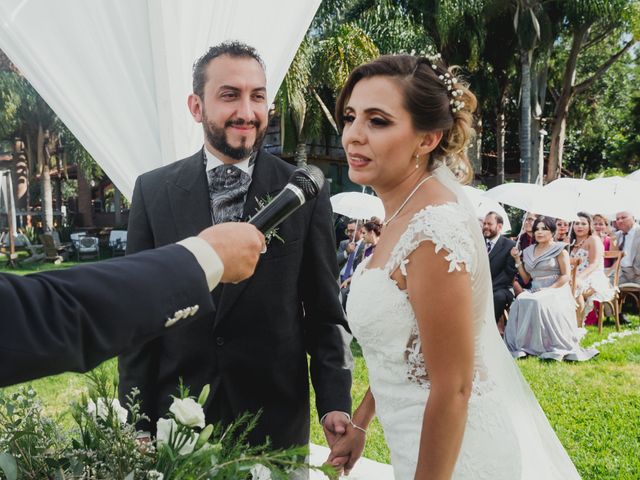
point(350, 446)
point(442, 303)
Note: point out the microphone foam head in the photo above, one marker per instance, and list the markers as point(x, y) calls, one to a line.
point(309, 179)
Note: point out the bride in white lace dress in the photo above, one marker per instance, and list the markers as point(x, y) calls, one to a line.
point(450, 399)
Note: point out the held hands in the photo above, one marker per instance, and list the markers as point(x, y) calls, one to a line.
point(345, 441)
point(346, 451)
point(238, 245)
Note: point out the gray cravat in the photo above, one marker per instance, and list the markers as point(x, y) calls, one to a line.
point(228, 186)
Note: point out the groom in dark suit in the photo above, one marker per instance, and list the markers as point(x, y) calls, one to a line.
point(501, 263)
point(253, 349)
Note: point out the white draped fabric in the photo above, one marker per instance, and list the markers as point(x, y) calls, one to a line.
point(118, 72)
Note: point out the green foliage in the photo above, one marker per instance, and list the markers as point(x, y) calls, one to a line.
point(103, 445)
point(342, 52)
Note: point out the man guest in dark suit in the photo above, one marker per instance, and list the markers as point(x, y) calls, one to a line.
point(501, 263)
point(253, 349)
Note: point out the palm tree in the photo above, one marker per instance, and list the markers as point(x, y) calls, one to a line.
point(319, 64)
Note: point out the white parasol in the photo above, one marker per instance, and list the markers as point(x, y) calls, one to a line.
point(484, 205)
point(536, 199)
point(357, 205)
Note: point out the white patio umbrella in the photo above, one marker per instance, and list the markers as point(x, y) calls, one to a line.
point(609, 195)
point(357, 205)
point(484, 205)
point(536, 199)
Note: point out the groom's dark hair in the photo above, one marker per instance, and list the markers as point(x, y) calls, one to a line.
point(233, 49)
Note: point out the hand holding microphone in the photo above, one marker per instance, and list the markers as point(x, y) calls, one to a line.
point(304, 184)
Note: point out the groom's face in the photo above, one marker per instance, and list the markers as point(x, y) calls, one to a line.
point(234, 110)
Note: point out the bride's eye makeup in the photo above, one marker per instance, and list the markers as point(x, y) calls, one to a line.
point(347, 118)
point(379, 122)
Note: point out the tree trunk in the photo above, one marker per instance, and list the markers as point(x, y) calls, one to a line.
point(501, 132)
point(21, 166)
point(84, 200)
point(525, 117)
point(301, 154)
point(562, 104)
point(117, 206)
point(46, 193)
point(500, 136)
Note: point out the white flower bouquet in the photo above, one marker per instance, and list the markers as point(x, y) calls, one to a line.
point(104, 445)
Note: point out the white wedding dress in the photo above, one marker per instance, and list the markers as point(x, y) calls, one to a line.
point(507, 436)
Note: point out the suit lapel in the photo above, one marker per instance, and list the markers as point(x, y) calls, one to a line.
point(189, 197)
point(262, 184)
point(496, 248)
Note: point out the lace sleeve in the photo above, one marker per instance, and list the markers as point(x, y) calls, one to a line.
point(445, 226)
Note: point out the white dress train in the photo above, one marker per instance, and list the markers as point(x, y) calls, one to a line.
point(507, 436)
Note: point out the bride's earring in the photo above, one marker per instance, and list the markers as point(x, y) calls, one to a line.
point(417, 161)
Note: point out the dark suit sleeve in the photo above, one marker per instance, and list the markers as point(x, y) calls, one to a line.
point(510, 269)
point(74, 319)
point(326, 330)
point(340, 256)
point(138, 365)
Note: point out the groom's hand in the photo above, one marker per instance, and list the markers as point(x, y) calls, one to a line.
point(346, 451)
point(334, 425)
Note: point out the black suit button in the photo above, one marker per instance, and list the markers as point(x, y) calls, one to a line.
point(219, 341)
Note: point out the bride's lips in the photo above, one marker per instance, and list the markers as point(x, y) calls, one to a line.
point(357, 161)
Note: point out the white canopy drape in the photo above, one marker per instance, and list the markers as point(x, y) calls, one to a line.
point(118, 72)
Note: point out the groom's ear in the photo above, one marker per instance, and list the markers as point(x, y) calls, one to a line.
point(194, 102)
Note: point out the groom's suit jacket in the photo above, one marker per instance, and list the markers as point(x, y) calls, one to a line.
point(253, 349)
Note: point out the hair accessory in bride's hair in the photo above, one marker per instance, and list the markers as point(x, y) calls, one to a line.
point(455, 94)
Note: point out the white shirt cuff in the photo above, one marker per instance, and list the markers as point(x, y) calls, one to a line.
point(325, 416)
point(207, 257)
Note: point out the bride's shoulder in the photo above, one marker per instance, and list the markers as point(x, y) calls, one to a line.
point(445, 225)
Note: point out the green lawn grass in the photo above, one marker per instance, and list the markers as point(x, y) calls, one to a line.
point(593, 406)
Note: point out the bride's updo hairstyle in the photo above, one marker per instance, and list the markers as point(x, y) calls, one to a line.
point(434, 97)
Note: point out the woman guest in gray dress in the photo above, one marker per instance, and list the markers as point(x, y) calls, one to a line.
point(542, 321)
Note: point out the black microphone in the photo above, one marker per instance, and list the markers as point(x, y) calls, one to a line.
point(304, 184)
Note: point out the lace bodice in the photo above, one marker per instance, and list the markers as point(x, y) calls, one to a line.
point(445, 227)
point(382, 320)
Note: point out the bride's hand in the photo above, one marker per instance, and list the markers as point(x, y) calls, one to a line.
point(347, 450)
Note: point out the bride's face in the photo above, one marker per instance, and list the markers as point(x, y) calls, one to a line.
point(378, 134)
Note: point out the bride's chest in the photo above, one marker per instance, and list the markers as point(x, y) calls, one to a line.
point(379, 313)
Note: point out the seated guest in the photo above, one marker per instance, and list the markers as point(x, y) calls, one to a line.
point(628, 240)
point(372, 231)
point(501, 263)
point(542, 321)
point(522, 242)
point(349, 255)
point(591, 282)
point(562, 231)
point(603, 231)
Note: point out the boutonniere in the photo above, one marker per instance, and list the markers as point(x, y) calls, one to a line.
point(273, 233)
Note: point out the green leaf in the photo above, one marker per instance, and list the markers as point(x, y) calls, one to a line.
point(9, 466)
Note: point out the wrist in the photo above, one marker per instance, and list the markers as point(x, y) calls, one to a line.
point(358, 427)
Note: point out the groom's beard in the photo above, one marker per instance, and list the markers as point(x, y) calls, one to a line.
point(217, 138)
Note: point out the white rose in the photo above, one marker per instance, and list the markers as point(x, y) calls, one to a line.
point(188, 412)
point(165, 427)
point(102, 410)
point(260, 472)
point(155, 475)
